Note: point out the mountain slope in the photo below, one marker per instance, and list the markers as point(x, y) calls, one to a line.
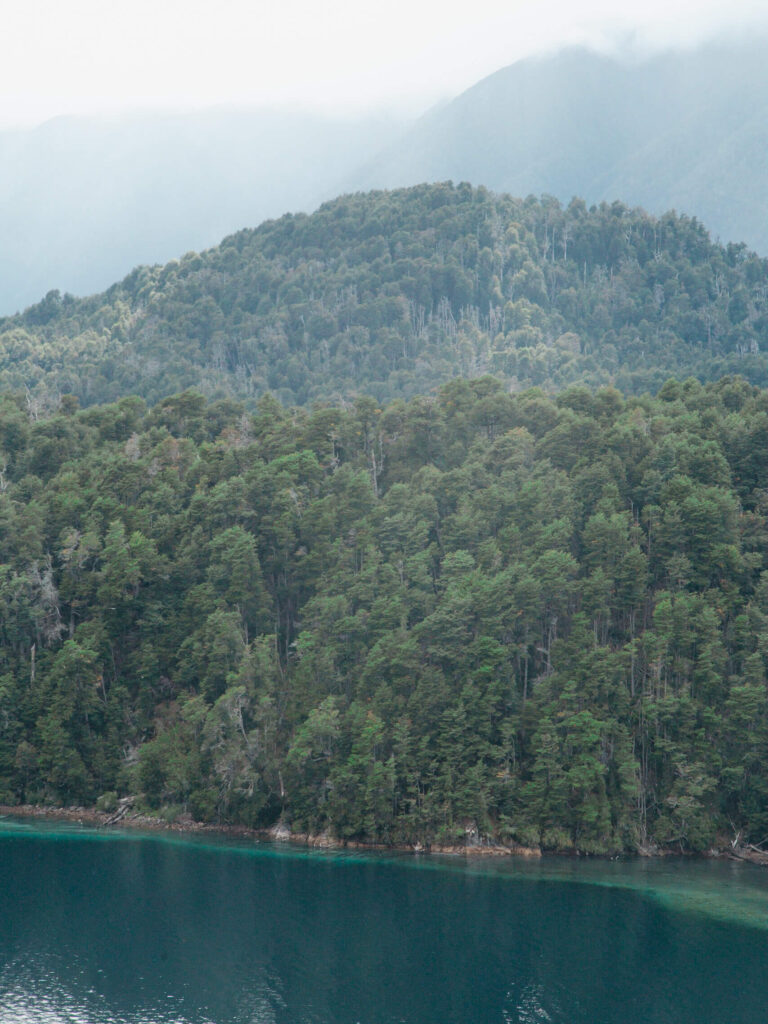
point(532, 620)
point(392, 294)
point(685, 131)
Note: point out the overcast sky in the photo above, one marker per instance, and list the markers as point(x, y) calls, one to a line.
point(67, 56)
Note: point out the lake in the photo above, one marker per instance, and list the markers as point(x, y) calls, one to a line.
point(111, 927)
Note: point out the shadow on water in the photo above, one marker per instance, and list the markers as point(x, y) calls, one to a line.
point(116, 927)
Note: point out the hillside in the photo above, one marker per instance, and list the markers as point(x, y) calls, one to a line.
point(680, 130)
point(394, 293)
point(481, 615)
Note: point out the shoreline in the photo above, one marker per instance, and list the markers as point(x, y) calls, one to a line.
point(90, 816)
point(276, 834)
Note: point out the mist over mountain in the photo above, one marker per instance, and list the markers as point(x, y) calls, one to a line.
point(681, 130)
point(84, 200)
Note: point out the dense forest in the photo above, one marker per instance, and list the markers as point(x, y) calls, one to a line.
point(534, 619)
point(392, 294)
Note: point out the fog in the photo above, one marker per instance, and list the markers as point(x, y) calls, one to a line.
point(86, 56)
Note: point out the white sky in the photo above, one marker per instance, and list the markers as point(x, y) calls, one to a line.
point(69, 56)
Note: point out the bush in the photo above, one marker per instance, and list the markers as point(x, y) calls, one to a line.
point(107, 802)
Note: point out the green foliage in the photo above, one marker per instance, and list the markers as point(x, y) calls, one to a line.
point(391, 294)
point(475, 615)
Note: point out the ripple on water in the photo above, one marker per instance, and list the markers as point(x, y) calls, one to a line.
point(33, 993)
point(100, 927)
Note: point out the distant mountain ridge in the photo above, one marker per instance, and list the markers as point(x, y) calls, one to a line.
point(683, 131)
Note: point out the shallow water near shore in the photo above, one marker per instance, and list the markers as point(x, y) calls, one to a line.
point(118, 927)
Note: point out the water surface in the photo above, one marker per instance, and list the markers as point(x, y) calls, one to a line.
point(118, 928)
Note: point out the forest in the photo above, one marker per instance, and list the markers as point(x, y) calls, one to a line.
point(524, 617)
point(393, 294)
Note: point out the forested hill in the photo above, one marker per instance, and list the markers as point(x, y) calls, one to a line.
point(393, 293)
point(532, 619)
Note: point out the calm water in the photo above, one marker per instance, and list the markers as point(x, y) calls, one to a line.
point(107, 928)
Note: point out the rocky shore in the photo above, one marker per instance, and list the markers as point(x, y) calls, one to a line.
point(126, 817)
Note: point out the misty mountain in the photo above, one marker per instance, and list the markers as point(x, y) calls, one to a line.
point(84, 200)
point(683, 131)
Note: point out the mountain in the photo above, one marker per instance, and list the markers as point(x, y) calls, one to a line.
point(680, 130)
point(394, 293)
point(84, 200)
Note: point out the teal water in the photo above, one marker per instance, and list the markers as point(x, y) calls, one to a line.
point(114, 927)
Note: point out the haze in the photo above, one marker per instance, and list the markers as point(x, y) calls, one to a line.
point(85, 56)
